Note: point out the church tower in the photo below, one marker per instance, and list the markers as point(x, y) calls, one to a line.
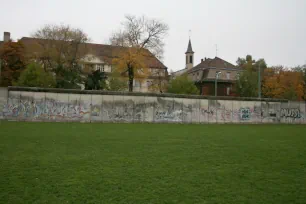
point(189, 56)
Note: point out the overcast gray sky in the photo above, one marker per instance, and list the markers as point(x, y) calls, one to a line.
point(270, 29)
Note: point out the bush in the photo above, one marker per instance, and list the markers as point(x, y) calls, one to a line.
point(182, 85)
point(35, 76)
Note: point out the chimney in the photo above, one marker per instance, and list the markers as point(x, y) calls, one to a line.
point(201, 60)
point(6, 36)
point(205, 58)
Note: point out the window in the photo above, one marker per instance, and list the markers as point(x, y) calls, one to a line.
point(190, 60)
point(162, 72)
point(228, 75)
point(100, 67)
point(228, 90)
point(153, 72)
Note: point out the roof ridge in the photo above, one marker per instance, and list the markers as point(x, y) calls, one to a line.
point(106, 50)
point(98, 44)
point(225, 61)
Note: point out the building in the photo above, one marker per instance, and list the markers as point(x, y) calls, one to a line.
point(204, 74)
point(100, 57)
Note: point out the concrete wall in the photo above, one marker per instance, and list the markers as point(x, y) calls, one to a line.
point(3, 100)
point(39, 105)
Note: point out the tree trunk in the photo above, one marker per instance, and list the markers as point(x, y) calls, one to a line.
point(131, 78)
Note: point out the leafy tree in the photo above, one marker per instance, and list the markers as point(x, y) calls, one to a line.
point(117, 82)
point(62, 49)
point(61, 45)
point(248, 63)
point(96, 81)
point(247, 84)
point(302, 70)
point(68, 77)
point(182, 85)
point(35, 76)
point(144, 37)
point(283, 83)
point(131, 64)
point(13, 62)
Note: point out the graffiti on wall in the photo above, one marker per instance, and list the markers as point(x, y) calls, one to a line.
point(290, 113)
point(226, 114)
point(44, 109)
point(140, 112)
point(206, 112)
point(245, 114)
point(157, 109)
point(119, 111)
point(270, 112)
point(168, 111)
point(95, 111)
point(169, 115)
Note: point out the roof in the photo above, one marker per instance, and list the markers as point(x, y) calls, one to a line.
point(189, 49)
point(216, 62)
point(106, 52)
point(179, 72)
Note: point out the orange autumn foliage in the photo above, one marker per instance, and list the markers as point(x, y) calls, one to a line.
point(13, 62)
point(130, 62)
point(283, 83)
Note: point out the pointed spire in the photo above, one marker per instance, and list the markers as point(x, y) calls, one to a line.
point(189, 49)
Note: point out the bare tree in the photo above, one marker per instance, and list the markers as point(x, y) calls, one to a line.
point(140, 34)
point(61, 44)
point(62, 48)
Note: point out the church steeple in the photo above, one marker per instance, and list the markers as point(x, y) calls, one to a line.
point(189, 56)
point(189, 49)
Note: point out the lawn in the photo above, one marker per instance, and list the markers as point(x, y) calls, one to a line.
point(152, 163)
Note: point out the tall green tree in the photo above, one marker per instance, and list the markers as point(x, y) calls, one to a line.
point(249, 63)
point(68, 77)
point(182, 85)
point(96, 81)
point(247, 84)
point(247, 81)
point(35, 76)
point(13, 62)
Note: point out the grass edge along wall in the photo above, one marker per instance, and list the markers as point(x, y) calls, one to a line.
point(34, 104)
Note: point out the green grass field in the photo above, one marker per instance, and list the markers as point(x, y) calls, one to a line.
point(152, 163)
